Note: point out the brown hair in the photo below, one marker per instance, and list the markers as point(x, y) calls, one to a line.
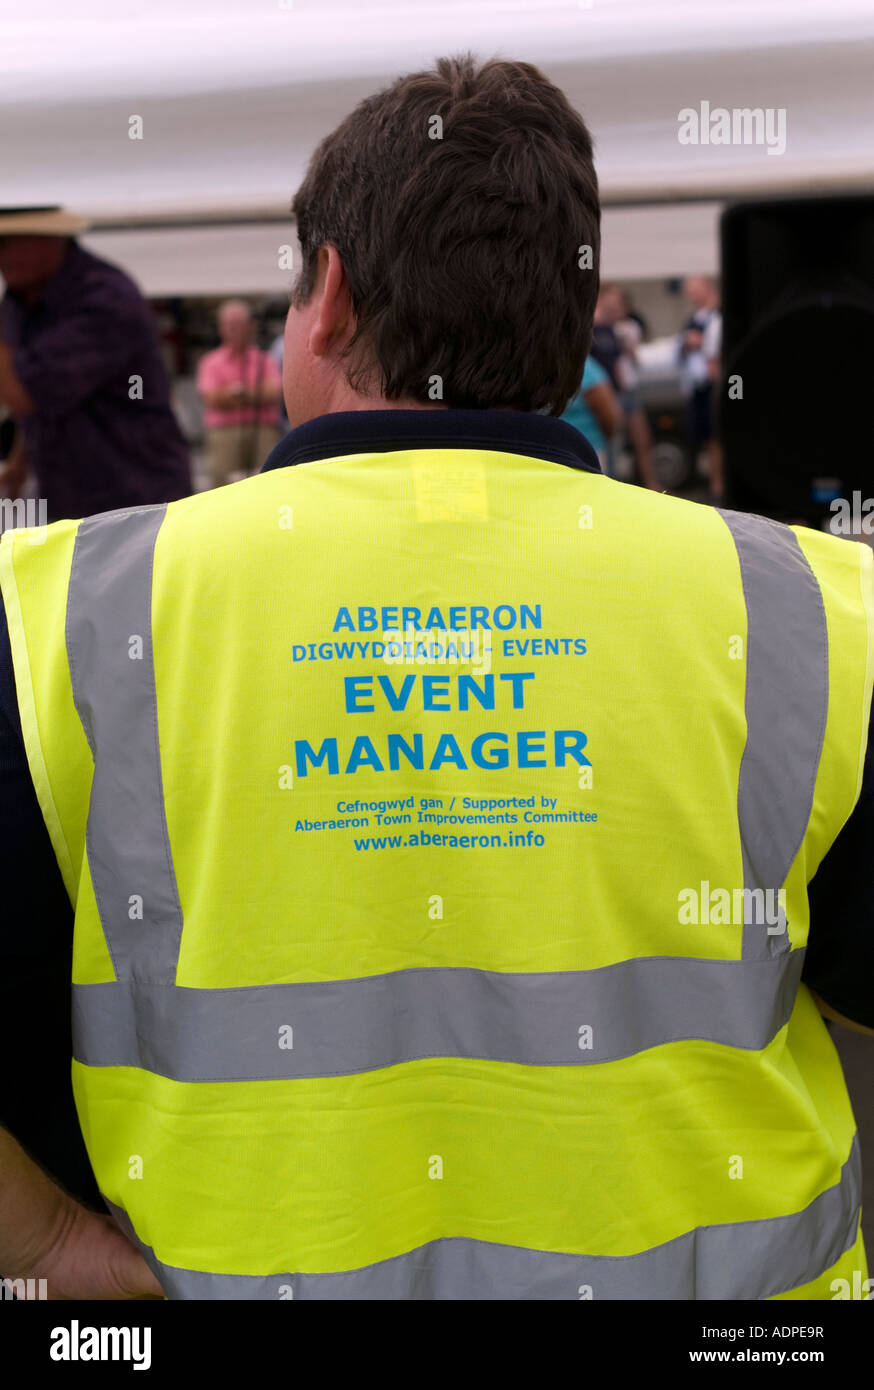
point(462, 253)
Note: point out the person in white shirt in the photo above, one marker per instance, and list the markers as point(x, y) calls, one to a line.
point(613, 308)
point(700, 344)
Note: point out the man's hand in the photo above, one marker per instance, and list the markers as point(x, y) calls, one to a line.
point(45, 1234)
point(91, 1258)
point(226, 397)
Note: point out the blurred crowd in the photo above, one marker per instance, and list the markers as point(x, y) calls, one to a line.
point(609, 408)
point(86, 399)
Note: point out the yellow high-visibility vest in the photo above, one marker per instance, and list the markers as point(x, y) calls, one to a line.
point(438, 825)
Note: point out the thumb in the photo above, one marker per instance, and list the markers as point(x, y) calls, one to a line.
point(94, 1260)
point(124, 1268)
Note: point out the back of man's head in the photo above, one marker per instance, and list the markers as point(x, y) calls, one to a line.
point(461, 202)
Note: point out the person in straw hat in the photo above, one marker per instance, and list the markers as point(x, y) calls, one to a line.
point(81, 373)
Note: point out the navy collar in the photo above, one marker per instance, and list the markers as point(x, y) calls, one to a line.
point(384, 431)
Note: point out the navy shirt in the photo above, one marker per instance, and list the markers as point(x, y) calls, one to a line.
point(36, 925)
point(92, 444)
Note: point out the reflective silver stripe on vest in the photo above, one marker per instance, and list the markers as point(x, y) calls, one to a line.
point(786, 707)
point(742, 1260)
point(340, 1027)
point(109, 648)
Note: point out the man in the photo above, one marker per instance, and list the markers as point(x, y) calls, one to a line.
point(700, 346)
point(82, 374)
point(240, 386)
point(387, 982)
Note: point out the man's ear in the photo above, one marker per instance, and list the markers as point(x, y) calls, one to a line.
point(333, 322)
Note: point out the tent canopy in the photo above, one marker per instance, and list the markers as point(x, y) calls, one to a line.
point(232, 97)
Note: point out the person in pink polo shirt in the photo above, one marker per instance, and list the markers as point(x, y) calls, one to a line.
point(241, 388)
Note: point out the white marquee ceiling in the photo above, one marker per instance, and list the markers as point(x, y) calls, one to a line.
point(235, 93)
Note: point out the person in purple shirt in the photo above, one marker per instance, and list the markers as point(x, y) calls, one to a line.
point(82, 375)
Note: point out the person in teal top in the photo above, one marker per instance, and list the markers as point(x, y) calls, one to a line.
point(595, 410)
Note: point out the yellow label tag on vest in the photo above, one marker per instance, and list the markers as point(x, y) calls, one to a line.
point(448, 490)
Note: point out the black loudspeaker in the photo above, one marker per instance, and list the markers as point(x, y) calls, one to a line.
point(798, 330)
